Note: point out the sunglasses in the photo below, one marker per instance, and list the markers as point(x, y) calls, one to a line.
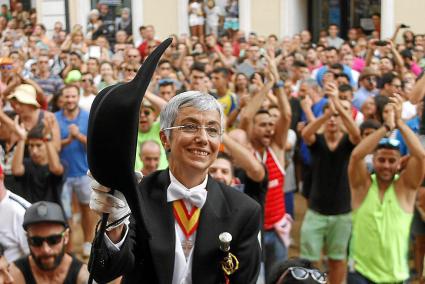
point(301, 273)
point(165, 82)
point(131, 69)
point(146, 112)
point(371, 80)
point(50, 240)
point(6, 67)
point(389, 142)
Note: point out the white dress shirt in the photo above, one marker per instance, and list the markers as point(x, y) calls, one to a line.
point(182, 268)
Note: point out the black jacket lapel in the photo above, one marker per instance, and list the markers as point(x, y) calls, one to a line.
point(214, 215)
point(160, 222)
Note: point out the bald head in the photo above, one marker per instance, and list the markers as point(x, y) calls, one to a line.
point(150, 153)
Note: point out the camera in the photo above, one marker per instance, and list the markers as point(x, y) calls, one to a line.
point(403, 26)
point(381, 43)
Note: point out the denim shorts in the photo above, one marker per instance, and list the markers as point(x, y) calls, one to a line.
point(81, 187)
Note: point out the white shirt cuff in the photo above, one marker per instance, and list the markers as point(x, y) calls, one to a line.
point(116, 247)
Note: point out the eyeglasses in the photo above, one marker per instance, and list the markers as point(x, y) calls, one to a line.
point(212, 131)
point(6, 67)
point(301, 273)
point(389, 143)
point(371, 80)
point(50, 240)
point(165, 82)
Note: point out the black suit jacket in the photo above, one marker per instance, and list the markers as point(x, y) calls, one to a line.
point(149, 258)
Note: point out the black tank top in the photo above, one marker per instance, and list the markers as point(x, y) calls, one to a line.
point(71, 278)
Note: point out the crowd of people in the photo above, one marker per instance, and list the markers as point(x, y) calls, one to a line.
point(338, 120)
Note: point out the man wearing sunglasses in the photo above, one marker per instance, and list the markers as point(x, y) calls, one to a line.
point(368, 82)
point(149, 128)
point(383, 202)
point(47, 235)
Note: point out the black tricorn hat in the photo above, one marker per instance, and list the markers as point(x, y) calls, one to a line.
point(113, 127)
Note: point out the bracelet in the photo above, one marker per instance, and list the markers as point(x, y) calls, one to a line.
point(279, 84)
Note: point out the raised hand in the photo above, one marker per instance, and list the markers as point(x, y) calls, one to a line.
point(20, 129)
point(397, 101)
point(306, 102)
point(48, 126)
point(332, 90)
point(389, 117)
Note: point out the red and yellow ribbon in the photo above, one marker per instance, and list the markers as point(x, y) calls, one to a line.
point(188, 222)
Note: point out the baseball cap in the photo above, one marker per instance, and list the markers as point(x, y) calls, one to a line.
point(44, 211)
point(25, 94)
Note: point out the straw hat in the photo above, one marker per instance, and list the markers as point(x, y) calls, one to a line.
point(25, 94)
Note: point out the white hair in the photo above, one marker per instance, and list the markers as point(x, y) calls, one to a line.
point(200, 101)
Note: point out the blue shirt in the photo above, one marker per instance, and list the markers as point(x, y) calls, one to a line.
point(75, 153)
point(317, 110)
point(361, 95)
point(412, 124)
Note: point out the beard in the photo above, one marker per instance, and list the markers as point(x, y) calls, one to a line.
point(43, 266)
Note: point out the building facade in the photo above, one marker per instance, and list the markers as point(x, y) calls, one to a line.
point(280, 17)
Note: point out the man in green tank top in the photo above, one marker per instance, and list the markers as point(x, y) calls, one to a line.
point(383, 202)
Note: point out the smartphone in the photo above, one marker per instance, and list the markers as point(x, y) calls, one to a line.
point(94, 51)
point(403, 26)
point(381, 43)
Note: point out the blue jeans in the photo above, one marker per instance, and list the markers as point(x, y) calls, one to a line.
point(274, 249)
point(289, 203)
